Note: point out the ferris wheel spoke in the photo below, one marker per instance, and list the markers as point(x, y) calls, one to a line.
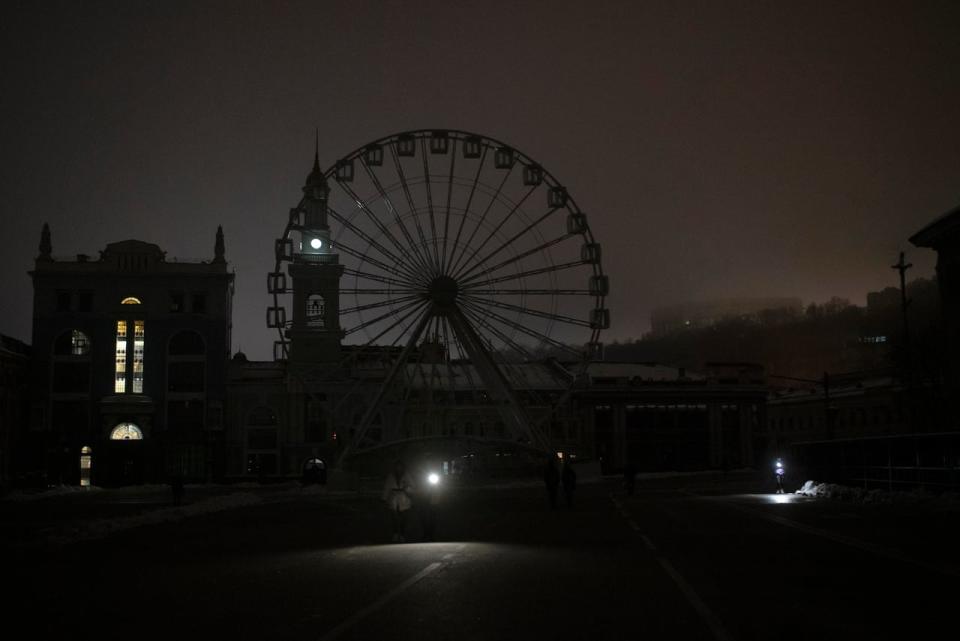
point(483, 217)
point(529, 312)
point(365, 258)
point(466, 278)
point(479, 320)
point(401, 263)
point(466, 267)
point(433, 268)
point(364, 291)
point(374, 321)
point(406, 253)
point(446, 220)
point(530, 272)
point(529, 292)
point(380, 278)
point(541, 337)
point(396, 217)
point(374, 406)
point(358, 351)
point(466, 210)
point(426, 184)
point(383, 303)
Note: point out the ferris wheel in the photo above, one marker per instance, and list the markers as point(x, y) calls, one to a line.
point(465, 266)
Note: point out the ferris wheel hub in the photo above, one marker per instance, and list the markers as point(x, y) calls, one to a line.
point(442, 292)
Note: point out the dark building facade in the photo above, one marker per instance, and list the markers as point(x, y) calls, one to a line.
point(129, 368)
point(14, 374)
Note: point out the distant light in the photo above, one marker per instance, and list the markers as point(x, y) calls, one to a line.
point(434, 478)
point(316, 243)
point(560, 455)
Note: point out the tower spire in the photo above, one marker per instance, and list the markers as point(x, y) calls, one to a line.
point(218, 249)
point(45, 245)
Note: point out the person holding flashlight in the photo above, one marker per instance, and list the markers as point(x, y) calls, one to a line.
point(779, 471)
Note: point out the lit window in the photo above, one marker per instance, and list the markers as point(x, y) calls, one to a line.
point(138, 357)
point(120, 374)
point(85, 466)
point(79, 343)
point(130, 300)
point(126, 432)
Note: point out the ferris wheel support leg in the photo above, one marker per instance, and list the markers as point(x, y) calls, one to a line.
point(384, 388)
point(506, 401)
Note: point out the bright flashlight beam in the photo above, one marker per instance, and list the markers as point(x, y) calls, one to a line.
point(434, 478)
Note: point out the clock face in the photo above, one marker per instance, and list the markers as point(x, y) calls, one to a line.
point(316, 243)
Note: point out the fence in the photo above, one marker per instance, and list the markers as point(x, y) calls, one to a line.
point(902, 462)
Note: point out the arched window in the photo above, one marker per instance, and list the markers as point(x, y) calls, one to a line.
point(126, 432)
point(131, 300)
point(316, 310)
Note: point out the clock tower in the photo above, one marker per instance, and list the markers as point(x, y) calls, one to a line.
point(315, 272)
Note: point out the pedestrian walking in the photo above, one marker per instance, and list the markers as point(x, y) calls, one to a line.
point(779, 472)
point(551, 478)
point(568, 477)
point(397, 490)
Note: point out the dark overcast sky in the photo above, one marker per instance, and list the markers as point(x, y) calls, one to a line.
point(720, 149)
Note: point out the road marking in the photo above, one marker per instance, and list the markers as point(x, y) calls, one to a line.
point(872, 548)
point(706, 614)
point(359, 615)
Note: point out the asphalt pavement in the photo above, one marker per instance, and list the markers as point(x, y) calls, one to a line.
point(691, 558)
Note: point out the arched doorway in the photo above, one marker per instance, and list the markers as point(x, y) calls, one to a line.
point(126, 454)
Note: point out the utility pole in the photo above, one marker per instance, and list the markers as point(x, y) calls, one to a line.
point(902, 267)
point(906, 358)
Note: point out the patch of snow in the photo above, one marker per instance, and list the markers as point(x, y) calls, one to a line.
point(861, 495)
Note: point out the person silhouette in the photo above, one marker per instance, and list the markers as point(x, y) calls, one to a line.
point(397, 489)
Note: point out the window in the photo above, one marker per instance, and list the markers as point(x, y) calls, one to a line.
point(120, 372)
point(176, 302)
point(122, 353)
point(63, 301)
point(316, 310)
point(199, 303)
point(138, 357)
point(71, 343)
point(86, 455)
point(126, 432)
